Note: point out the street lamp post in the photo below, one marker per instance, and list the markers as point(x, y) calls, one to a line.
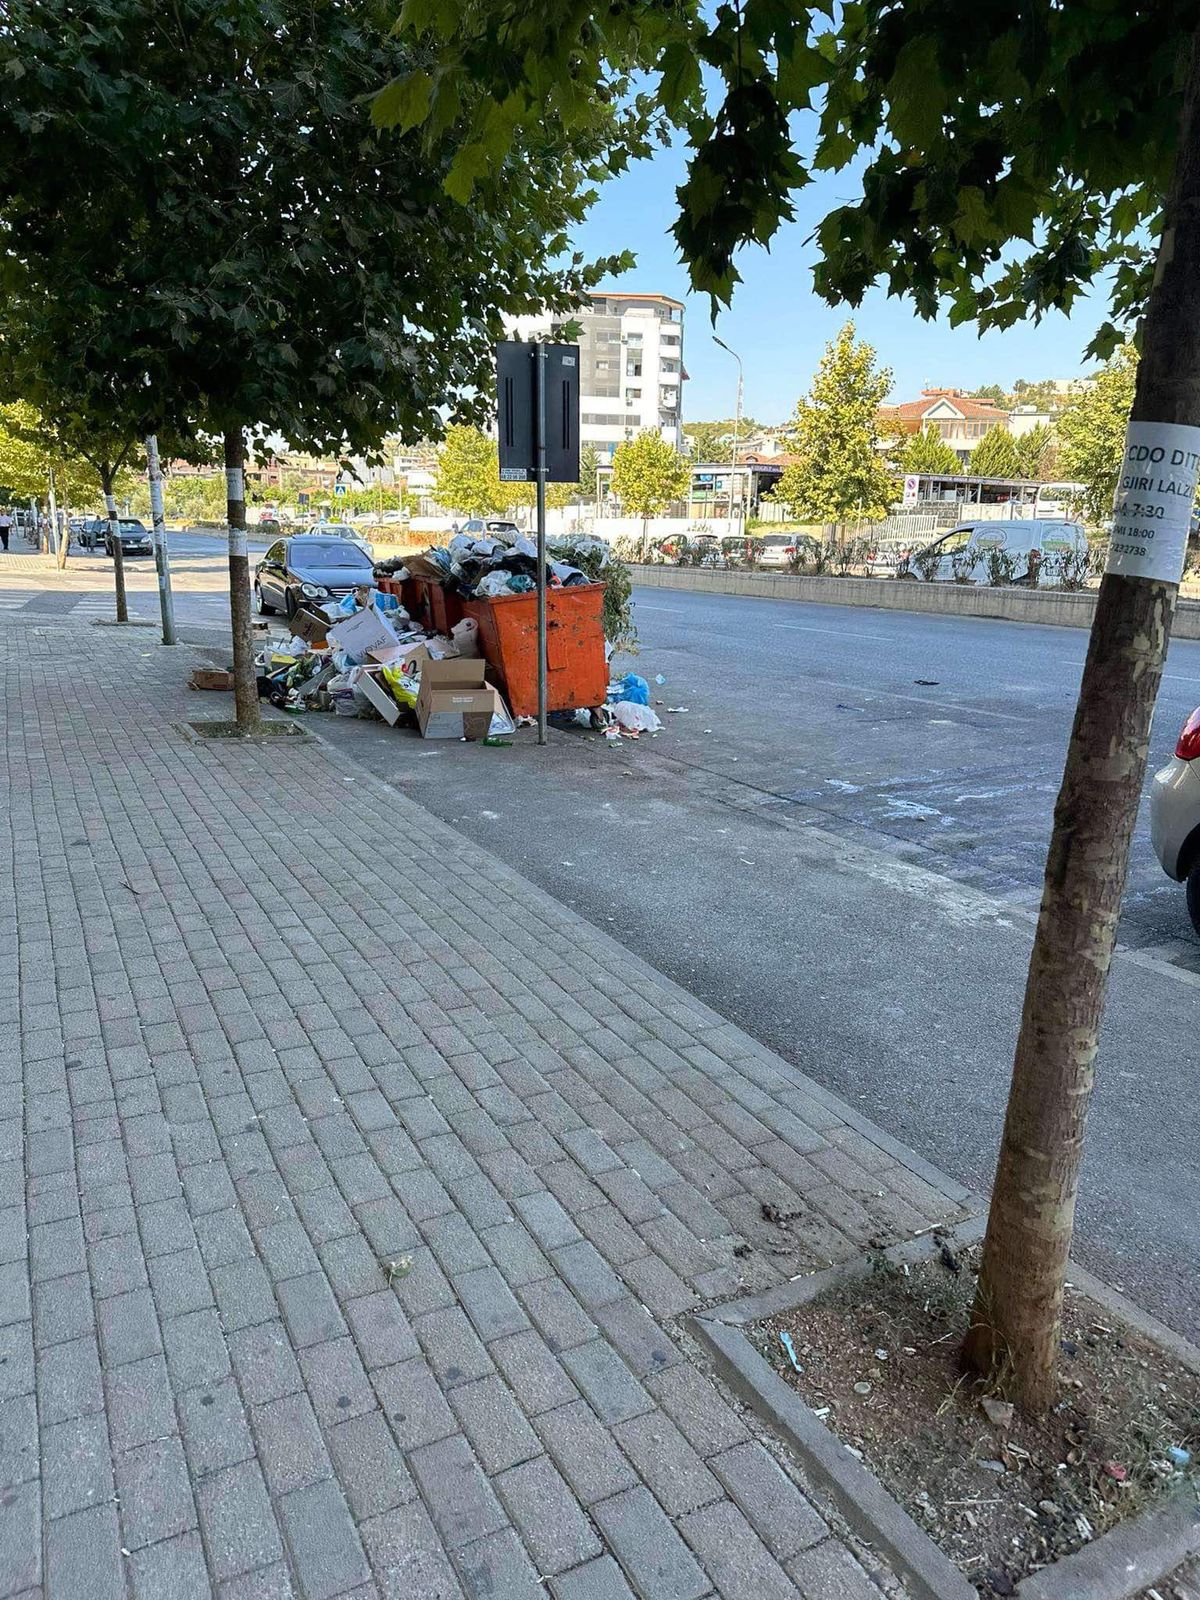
point(737, 428)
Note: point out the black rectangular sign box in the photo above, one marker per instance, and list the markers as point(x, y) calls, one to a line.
point(517, 394)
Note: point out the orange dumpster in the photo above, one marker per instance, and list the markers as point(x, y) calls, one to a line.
point(576, 670)
point(432, 605)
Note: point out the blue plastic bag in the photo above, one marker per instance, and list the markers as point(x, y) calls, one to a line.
point(634, 689)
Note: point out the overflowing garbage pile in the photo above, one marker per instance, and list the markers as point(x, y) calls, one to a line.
point(486, 567)
point(405, 649)
point(365, 656)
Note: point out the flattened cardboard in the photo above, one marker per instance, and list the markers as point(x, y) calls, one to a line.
point(368, 684)
point(365, 631)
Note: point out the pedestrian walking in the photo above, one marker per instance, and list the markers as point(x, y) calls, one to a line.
point(6, 526)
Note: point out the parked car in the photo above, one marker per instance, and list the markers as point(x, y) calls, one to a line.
point(1175, 815)
point(1019, 538)
point(785, 549)
point(489, 528)
point(309, 568)
point(335, 530)
point(95, 532)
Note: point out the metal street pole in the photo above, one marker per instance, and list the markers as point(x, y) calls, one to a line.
point(53, 499)
point(539, 443)
point(162, 559)
point(737, 428)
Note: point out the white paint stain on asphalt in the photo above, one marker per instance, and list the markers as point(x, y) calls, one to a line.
point(909, 808)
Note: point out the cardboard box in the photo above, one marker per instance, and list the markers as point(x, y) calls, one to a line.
point(454, 701)
point(365, 633)
point(210, 678)
point(311, 623)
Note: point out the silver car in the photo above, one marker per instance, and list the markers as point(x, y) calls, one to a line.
point(335, 530)
point(1175, 815)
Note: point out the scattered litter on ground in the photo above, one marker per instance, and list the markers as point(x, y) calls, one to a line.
point(785, 1340)
point(400, 1268)
point(211, 678)
point(1003, 1493)
point(446, 640)
point(998, 1412)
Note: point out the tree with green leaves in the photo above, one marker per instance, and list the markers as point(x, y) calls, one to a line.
point(1044, 393)
point(841, 472)
point(381, 497)
point(467, 479)
point(589, 465)
point(1035, 452)
point(991, 392)
point(1004, 161)
point(33, 460)
point(236, 251)
point(713, 441)
point(995, 456)
point(927, 453)
point(648, 474)
point(1091, 434)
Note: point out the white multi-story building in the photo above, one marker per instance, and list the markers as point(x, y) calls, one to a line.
point(631, 366)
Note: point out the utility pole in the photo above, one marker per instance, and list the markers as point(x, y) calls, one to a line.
point(737, 428)
point(539, 441)
point(53, 514)
point(162, 559)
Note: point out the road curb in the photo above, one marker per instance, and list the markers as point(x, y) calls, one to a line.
point(1143, 1550)
point(1046, 607)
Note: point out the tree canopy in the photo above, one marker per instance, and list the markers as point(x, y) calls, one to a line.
point(1036, 452)
point(467, 478)
point(713, 441)
point(648, 474)
point(840, 472)
point(927, 452)
point(995, 456)
point(1091, 434)
point(202, 217)
point(1005, 158)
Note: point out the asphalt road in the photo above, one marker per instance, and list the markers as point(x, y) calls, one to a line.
point(839, 845)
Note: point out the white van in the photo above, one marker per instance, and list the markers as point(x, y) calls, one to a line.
point(962, 553)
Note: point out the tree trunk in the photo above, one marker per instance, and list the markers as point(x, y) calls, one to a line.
point(1015, 1325)
point(245, 685)
point(107, 474)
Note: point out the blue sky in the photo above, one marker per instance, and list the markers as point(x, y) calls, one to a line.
point(779, 326)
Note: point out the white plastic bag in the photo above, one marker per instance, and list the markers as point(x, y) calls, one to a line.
point(639, 718)
point(494, 583)
point(466, 636)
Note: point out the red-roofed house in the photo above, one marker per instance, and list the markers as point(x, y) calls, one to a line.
point(959, 420)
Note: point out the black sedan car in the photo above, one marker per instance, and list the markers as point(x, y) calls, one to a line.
point(135, 536)
point(309, 568)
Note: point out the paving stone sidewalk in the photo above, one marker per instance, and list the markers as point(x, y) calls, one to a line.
point(279, 1027)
